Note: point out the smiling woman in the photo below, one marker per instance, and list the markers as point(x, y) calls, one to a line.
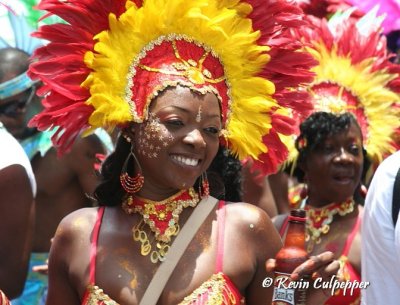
point(177, 140)
point(180, 80)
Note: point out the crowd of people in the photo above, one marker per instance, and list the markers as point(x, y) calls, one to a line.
point(150, 150)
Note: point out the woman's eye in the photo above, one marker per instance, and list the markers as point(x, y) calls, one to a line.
point(212, 130)
point(355, 149)
point(327, 149)
point(174, 123)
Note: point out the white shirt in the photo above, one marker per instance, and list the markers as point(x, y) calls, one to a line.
point(380, 240)
point(11, 152)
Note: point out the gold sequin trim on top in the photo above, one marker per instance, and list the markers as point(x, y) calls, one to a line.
point(97, 295)
point(215, 291)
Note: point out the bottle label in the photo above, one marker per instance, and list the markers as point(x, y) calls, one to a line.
point(287, 292)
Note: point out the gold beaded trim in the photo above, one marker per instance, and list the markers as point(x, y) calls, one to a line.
point(215, 291)
point(149, 208)
point(319, 220)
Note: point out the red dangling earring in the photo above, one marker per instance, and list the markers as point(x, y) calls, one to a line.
point(205, 187)
point(131, 184)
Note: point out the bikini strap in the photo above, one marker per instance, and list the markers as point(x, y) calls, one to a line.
point(351, 236)
point(220, 237)
point(93, 245)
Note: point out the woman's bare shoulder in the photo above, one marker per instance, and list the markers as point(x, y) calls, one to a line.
point(245, 214)
point(253, 221)
point(79, 223)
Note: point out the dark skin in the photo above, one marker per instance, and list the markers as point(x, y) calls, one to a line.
point(17, 210)
point(71, 177)
point(258, 191)
point(333, 173)
point(121, 271)
point(62, 182)
point(279, 183)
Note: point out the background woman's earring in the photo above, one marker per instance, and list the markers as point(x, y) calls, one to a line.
point(363, 190)
point(131, 184)
point(304, 191)
point(205, 187)
point(126, 137)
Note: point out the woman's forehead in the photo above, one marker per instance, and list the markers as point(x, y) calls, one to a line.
point(186, 98)
point(352, 131)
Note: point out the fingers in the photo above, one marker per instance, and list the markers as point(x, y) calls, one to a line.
point(321, 264)
point(326, 271)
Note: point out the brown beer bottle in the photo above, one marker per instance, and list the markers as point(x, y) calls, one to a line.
point(293, 253)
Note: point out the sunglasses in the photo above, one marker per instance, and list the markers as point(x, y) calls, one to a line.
point(14, 107)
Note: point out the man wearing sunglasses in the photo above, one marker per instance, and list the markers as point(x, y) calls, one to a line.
point(64, 183)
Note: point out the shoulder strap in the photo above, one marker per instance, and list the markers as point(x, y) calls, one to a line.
point(93, 247)
point(179, 246)
point(220, 237)
point(396, 198)
point(351, 236)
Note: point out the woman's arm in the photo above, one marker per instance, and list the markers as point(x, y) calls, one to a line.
point(264, 242)
point(16, 226)
point(66, 251)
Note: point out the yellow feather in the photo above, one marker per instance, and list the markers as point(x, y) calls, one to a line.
point(220, 24)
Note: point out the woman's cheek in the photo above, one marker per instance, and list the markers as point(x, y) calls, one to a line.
point(153, 137)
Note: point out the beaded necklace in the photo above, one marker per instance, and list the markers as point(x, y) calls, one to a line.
point(320, 219)
point(162, 217)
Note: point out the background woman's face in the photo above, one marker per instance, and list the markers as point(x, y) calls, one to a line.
point(180, 139)
point(334, 168)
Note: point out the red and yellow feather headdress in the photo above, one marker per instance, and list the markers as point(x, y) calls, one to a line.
point(104, 65)
point(355, 74)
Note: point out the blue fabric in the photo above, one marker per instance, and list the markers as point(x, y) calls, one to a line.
point(38, 143)
point(35, 290)
point(16, 85)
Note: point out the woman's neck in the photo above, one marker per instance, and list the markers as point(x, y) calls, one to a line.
point(321, 203)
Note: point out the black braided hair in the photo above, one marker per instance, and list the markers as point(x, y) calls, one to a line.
point(225, 177)
point(110, 192)
point(316, 129)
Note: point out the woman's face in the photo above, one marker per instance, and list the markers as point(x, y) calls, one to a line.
point(13, 112)
point(179, 141)
point(333, 170)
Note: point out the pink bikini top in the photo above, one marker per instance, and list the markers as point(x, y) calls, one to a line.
point(348, 273)
point(218, 289)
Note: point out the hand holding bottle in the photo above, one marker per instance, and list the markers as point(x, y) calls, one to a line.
point(295, 271)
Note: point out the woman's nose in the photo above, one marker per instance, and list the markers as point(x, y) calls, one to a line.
point(195, 138)
point(344, 156)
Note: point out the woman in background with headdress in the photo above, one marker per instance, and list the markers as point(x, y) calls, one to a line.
point(180, 78)
point(330, 164)
point(355, 95)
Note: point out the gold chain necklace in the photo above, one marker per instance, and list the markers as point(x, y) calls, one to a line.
point(320, 219)
point(162, 217)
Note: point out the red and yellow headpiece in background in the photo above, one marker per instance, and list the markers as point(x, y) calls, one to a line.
point(355, 74)
point(111, 57)
point(326, 8)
